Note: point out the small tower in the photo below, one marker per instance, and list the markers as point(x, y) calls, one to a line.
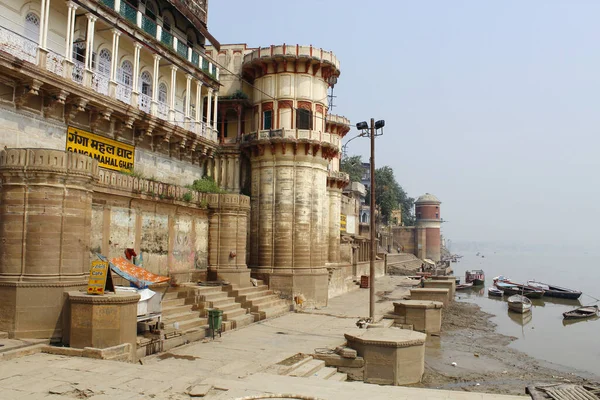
point(427, 211)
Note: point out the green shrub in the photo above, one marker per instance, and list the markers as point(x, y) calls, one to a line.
point(133, 173)
point(205, 185)
point(187, 196)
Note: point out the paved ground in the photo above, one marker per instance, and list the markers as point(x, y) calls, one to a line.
point(235, 365)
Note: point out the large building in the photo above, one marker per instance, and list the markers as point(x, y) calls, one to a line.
point(143, 88)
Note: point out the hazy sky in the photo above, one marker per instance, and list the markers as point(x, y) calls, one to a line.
point(493, 106)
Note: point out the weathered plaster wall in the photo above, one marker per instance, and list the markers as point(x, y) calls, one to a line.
point(405, 238)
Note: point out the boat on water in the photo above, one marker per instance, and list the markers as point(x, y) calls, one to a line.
point(555, 291)
point(581, 312)
point(476, 276)
point(464, 286)
point(519, 304)
point(495, 292)
point(511, 289)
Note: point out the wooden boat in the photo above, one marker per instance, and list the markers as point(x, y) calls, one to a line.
point(518, 303)
point(555, 291)
point(464, 286)
point(495, 292)
point(581, 312)
point(475, 276)
point(511, 288)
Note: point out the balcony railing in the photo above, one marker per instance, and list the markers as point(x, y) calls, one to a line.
point(124, 93)
point(54, 63)
point(305, 134)
point(163, 110)
point(182, 49)
point(100, 83)
point(167, 39)
point(17, 45)
point(179, 119)
point(144, 102)
point(149, 26)
point(78, 69)
point(109, 3)
point(129, 12)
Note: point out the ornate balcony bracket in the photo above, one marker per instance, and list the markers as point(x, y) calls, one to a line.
point(30, 88)
point(77, 105)
point(58, 96)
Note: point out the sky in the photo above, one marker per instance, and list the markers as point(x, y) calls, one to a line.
point(493, 106)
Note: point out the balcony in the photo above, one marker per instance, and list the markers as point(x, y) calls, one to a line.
point(294, 134)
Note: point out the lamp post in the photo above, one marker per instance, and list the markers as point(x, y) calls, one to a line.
point(371, 131)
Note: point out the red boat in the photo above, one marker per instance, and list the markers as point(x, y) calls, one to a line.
point(476, 276)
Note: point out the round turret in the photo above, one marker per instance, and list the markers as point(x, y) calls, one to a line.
point(429, 220)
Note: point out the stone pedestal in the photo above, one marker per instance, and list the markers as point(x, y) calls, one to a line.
point(424, 316)
point(102, 321)
point(441, 295)
point(392, 356)
point(442, 284)
point(45, 222)
point(227, 236)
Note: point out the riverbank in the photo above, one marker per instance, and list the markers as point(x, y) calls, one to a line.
point(484, 361)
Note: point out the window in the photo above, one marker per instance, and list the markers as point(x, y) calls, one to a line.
point(167, 23)
point(79, 52)
point(418, 214)
point(437, 215)
point(191, 39)
point(151, 11)
point(268, 119)
point(104, 61)
point(126, 74)
point(32, 27)
point(162, 93)
point(304, 119)
point(146, 83)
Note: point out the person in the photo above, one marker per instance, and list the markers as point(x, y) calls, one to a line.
point(422, 267)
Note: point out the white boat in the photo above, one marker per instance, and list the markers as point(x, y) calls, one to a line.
point(518, 303)
point(492, 291)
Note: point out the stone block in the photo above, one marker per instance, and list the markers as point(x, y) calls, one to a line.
point(103, 321)
point(441, 295)
point(424, 316)
point(392, 356)
point(442, 284)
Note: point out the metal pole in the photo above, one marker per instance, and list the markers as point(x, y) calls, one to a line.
point(372, 228)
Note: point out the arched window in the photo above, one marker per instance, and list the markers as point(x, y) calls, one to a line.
point(126, 74)
point(104, 61)
point(32, 27)
point(146, 83)
point(151, 10)
point(162, 93)
point(167, 23)
point(191, 39)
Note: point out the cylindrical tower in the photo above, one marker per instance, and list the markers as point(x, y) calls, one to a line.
point(429, 221)
point(45, 225)
point(290, 151)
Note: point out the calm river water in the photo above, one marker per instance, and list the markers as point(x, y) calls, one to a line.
point(543, 334)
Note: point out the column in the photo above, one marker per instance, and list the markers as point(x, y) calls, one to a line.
point(173, 90)
point(188, 96)
point(114, 65)
point(199, 111)
point(154, 105)
point(222, 132)
point(89, 46)
point(137, 47)
point(208, 112)
point(68, 61)
point(42, 52)
point(215, 110)
point(239, 124)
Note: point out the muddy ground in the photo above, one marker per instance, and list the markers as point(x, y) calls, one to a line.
point(484, 362)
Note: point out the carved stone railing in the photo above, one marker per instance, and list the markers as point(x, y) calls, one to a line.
point(54, 63)
point(17, 45)
point(298, 51)
point(297, 134)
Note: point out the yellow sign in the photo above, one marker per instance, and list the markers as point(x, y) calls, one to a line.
point(98, 274)
point(342, 223)
point(109, 153)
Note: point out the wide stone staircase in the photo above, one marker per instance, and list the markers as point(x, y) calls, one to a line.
point(259, 300)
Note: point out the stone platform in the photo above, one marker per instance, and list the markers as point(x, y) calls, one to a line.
point(441, 295)
point(423, 315)
point(442, 284)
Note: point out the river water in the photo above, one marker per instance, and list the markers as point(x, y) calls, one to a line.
point(543, 334)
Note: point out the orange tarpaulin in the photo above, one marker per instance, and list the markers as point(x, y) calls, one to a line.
point(134, 274)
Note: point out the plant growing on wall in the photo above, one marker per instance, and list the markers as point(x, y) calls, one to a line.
point(205, 185)
point(133, 173)
point(187, 197)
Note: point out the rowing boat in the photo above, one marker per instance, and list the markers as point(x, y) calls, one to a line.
point(581, 312)
point(555, 291)
point(518, 303)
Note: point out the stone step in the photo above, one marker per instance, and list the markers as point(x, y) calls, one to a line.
point(228, 315)
point(193, 324)
point(273, 302)
point(324, 373)
point(215, 296)
point(237, 291)
point(208, 289)
point(271, 312)
point(222, 302)
point(264, 300)
point(229, 307)
point(172, 302)
point(168, 311)
point(256, 295)
point(338, 377)
point(308, 368)
point(180, 317)
point(237, 322)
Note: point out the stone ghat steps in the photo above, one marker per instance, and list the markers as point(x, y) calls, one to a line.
point(259, 300)
point(314, 369)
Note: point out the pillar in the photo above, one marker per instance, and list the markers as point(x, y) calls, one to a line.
point(227, 223)
point(188, 96)
point(114, 65)
point(156, 66)
point(44, 22)
point(68, 61)
point(172, 93)
point(89, 46)
point(45, 225)
point(208, 109)
point(137, 47)
point(215, 110)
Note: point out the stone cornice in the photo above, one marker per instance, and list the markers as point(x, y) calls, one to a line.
point(387, 343)
point(84, 298)
point(42, 284)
